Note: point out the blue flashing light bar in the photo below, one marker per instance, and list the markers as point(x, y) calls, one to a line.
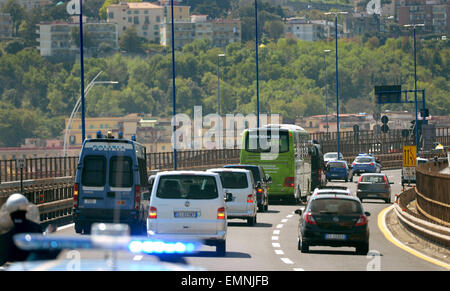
point(160, 247)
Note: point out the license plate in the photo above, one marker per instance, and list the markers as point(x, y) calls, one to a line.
point(90, 201)
point(185, 214)
point(335, 236)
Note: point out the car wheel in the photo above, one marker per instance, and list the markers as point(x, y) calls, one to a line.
point(78, 228)
point(388, 200)
point(251, 221)
point(221, 248)
point(304, 246)
point(362, 249)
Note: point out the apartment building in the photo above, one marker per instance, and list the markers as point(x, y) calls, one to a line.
point(5, 25)
point(143, 16)
point(221, 32)
point(301, 28)
point(29, 4)
point(56, 39)
point(435, 14)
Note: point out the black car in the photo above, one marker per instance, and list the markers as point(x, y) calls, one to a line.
point(262, 181)
point(334, 220)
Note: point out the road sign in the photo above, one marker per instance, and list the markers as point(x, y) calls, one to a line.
point(388, 94)
point(409, 156)
point(20, 163)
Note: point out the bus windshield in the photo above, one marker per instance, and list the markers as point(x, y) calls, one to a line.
point(264, 141)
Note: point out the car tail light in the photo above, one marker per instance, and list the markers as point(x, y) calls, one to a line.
point(250, 198)
point(371, 164)
point(152, 213)
point(75, 195)
point(361, 221)
point(137, 197)
point(359, 181)
point(354, 164)
point(289, 182)
point(386, 184)
point(221, 213)
point(310, 219)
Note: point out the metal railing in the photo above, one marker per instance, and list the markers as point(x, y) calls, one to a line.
point(433, 191)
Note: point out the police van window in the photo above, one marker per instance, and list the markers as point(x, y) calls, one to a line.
point(120, 172)
point(94, 171)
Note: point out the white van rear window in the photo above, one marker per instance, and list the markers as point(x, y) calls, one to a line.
point(187, 187)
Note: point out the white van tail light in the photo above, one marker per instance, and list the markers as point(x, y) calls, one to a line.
point(221, 213)
point(152, 213)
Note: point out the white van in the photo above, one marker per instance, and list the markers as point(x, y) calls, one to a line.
point(240, 183)
point(188, 205)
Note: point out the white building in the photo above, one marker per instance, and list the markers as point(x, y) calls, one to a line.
point(304, 29)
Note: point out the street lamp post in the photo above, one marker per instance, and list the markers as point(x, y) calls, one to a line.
point(415, 84)
point(83, 107)
point(218, 82)
point(77, 107)
point(257, 63)
point(174, 98)
point(337, 75)
point(326, 87)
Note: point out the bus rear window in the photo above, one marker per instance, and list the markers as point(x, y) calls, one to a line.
point(264, 141)
point(120, 172)
point(94, 171)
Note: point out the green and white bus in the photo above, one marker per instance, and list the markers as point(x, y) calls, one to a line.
point(290, 165)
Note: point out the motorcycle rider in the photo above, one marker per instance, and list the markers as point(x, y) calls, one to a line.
point(17, 215)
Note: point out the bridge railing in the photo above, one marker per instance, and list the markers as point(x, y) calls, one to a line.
point(433, 192)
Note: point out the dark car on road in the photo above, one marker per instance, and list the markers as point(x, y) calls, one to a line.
point(374, 186)
point(262, 182)
point(339, 170)
point(334, 220)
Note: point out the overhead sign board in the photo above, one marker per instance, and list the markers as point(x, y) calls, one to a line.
point(388, 94)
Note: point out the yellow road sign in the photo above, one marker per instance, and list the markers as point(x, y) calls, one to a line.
point(409, 156)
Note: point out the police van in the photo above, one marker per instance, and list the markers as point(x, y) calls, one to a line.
point(111, 184)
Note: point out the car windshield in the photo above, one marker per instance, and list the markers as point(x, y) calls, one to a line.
point(330, 156)
point(335, 206)
point(372, 179)
point(233, 180)
point(364, 160)
point(187, 187)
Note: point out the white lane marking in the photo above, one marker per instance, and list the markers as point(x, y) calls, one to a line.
point(276, 245)
point(287, 261)
point(65, 226)
point(279, 252)
point(289, 216)
point(284, 220)
point(274, 237)
point(276, 231)
point(279, 225)
point(137, 258)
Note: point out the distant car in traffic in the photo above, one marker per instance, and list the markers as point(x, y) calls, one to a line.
point(337, 190)
point(374, 186)
point(410, 175)
point(189, 205)
point(334, 220)
point(262, 181)
point(366, 164)
point(240, 183)
point(339, 170)
point(332, 157)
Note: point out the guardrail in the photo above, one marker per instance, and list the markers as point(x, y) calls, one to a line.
point(417, 223)
point(433, 192)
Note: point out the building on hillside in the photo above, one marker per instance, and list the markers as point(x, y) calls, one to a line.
point(5, 25)
point(29, 4)
point(310, 30)
point(434, 14)
point(221, 32)
point(59, 39)
point(143, 16)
